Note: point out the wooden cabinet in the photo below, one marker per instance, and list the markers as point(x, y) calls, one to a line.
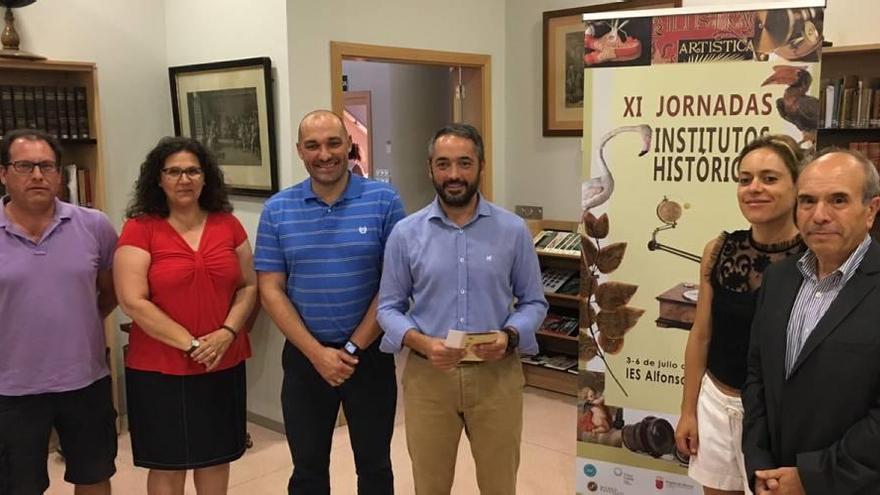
point(551, 343)
point(85, 153)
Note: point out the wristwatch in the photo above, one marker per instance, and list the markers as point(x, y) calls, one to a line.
point(193, 345)
point(512, 339)
point(352, 349)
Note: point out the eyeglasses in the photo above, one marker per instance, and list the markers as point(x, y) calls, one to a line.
point(27, 167)
point(177, 172)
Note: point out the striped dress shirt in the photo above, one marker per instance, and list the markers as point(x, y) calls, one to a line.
point(815, 297)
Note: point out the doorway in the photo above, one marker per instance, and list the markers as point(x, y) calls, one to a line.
point(467, 81)
point(357, 114)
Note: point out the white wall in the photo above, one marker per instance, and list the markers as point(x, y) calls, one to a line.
point(200, 31)
point(546, 171)
point(422, 103)
point(541, 171)
point(126, 41)
point(453, 25)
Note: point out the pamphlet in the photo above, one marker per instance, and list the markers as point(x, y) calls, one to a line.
point(458, 339)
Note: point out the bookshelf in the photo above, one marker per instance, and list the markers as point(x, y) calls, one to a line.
point(856, 64)
point(84, 152)
point(556, 344)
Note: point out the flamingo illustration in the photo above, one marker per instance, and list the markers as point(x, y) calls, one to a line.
point(597, 190)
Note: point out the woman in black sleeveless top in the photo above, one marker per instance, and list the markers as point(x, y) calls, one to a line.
point(710, 426)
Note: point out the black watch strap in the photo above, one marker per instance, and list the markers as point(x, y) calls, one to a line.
point(512, 339)
point(351, 348)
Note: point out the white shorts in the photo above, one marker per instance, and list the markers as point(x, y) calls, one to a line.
point(719, 462)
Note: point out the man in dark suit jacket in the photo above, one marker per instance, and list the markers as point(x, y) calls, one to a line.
point(812, 396)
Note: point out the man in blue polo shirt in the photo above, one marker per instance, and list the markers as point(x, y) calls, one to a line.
point(319, 258)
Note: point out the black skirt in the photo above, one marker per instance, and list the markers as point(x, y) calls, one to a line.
point(186, 422)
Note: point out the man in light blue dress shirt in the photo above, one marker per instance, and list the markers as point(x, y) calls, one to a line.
point(461, 263)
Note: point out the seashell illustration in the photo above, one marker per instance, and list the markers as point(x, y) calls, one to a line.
point(587, 314)
point(587, 347)
point(609, 345)
point(597, 228)
point(610, 257)
point(611, 295)
point(615, 323)
point(589, 253)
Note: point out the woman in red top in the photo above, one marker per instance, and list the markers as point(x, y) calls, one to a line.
point(184, 273)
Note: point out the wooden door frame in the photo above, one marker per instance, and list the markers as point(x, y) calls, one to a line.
point(340, 51)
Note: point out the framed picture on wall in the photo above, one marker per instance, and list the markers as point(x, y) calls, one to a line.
point(564, 63)
point(228, 107)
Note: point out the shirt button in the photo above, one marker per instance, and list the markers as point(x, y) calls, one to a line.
point(329, 210)
point(461, 260)
point(818, 295)
point(461, 231)
point(461, 320)
point(462, 291)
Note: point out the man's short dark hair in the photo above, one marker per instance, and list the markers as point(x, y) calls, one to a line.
point(871, 185)
point(30, 135)
point(465, 131)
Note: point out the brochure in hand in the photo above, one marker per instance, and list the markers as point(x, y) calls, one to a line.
point(458, 339)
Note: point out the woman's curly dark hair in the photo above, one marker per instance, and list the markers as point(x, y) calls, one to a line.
point(149, 198)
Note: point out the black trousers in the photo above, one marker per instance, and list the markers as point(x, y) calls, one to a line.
point(310, 406)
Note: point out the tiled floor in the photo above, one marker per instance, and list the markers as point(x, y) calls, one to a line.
point(546, 468)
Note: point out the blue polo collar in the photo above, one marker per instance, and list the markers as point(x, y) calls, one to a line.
point(354, 188)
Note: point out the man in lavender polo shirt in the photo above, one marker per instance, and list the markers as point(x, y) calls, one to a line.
point(55, 290)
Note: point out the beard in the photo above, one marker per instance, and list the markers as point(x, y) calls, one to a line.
point(457, 199)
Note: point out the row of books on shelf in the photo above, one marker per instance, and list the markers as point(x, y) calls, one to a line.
point(850, 102)
point(553, 361)
point(76, 186)
point(558, 242)
point(870, 149)
point(561, 281)
point(59, 110)
point(560, 325)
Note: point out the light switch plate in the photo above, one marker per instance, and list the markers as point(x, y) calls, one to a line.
point(529, 212)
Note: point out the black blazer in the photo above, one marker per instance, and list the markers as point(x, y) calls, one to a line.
point(825, 418)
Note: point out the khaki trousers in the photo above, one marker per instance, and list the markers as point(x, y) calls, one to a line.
point(486, 400)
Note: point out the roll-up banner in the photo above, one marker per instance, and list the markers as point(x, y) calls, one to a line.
point(671, 96)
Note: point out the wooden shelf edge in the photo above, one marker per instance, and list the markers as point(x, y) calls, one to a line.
point(562, 256)
point(550, 379)
point(848, 129)
point(53, 65)
point(559, 336)
point(562, 297)
point(851, 49)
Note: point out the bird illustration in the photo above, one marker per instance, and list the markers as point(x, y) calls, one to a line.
point(597, 190)
point(796, 106)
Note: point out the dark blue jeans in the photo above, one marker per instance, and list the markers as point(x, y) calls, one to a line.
point(310, 406)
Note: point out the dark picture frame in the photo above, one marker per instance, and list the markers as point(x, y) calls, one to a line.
point(229, 107)
point(563, 52)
